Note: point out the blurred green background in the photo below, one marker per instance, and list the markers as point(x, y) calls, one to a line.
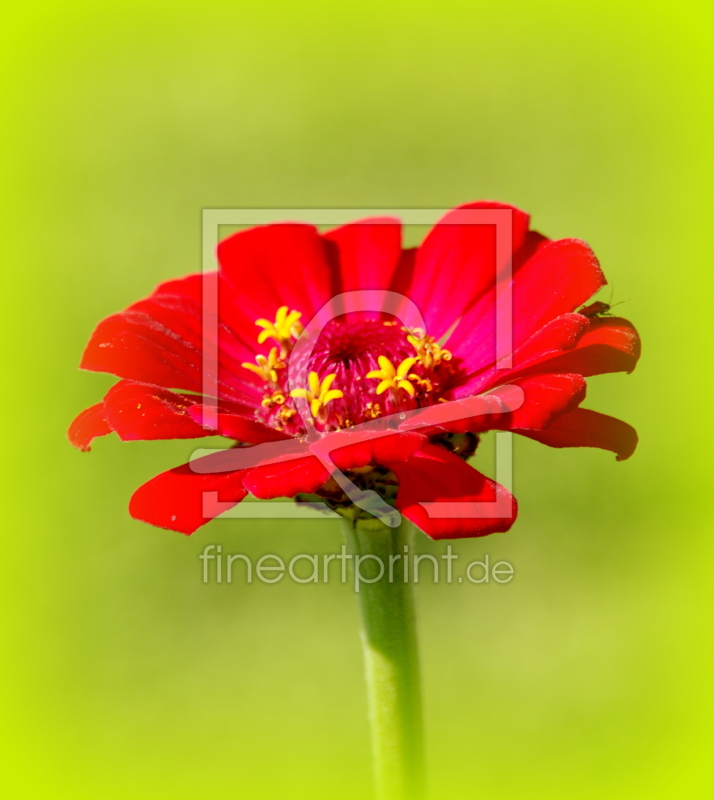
point(587, 676)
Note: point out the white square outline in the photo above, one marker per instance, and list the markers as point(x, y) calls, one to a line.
point(213, 218)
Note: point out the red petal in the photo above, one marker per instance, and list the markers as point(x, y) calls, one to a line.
point(456, 263)
point(241, 426)
point(160, 340)
point(366, 253)
point(434, 475)
point(290, 467)
point(132, 345)
point(237, 332)
point(557, 337)
point(89, 424)
point(276, 265)
point(180, 500)
point(547, 397)
point(404, 274)
point(353, 449)
point(287, 468)
point(585, 428)
point(610, 345)
point(141, 411)
point(531, 402)
point(286, 479)
point(559, 278)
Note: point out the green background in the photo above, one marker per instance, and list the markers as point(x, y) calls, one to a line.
point(589, 675)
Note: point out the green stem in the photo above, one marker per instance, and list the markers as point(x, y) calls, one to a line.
point(390, 653)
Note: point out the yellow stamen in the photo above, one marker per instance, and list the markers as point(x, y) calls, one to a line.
point(424, 383)
point(276, 399)
point(428, 351)
point(318, 394)
point(285, 328)
point(267, 368)
point(391, 378)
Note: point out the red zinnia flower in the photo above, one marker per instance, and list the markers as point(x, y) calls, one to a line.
point(363, 367)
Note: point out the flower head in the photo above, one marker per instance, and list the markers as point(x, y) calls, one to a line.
point(426, 394)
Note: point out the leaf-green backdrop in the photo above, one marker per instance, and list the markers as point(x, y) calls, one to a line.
point(587, 676)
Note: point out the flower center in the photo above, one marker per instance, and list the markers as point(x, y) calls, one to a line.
point(359, 370)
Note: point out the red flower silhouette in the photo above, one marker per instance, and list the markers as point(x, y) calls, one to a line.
point(365, 367)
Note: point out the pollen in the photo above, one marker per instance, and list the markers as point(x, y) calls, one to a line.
point(267, 368)
point(391, 378)
point(422, 383)
point(318, 394)
point(285, 328)
point(373, 411)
